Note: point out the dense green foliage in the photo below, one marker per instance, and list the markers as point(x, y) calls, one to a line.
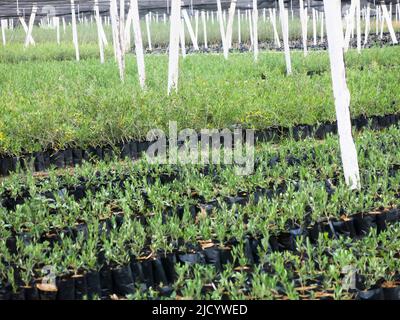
point(64, 103)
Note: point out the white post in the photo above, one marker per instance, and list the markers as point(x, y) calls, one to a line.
point(147, 18)
point(64, 26)
point(250, 19)
point(128, 30)
point(314, 27)
point(57, 23)
point(350, 25)
point(358, 21)
point(190, 30)
point(303, 21)
point(196, 19)
point(341, 93)
point(30, 26)
point(183, 38)
point(285, 33)
point(389, 23)
point(74, 31)
point(25, 27)
point(222, 29)
point(118, 38)
point(272, 14)
point(3, 30)
point(173, 64)
point(229, 28)
point(322, 27)
point(255, 30)
point(203, 19)
point(98, 21)
point(367, 23)
point(239, 31)
point(138, 43)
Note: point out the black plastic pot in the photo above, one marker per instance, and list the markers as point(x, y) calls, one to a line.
point(31, 292)
point(66, 289)
point(160, 277)
point(345, 228)
point(57, 159)
point(192, 258)
point(80, 286)
point(68, 158)
point(123, 280)
point(213, 256)
point(77, 156)
point(373, 294)
point(106, 282)
point(93, 284)
point(39, 161)
point(147, 268)
point(168, 263)
point(392, 293)
point(363, 223)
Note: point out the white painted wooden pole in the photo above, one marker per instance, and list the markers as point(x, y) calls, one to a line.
point(138, 43)
point(285, 33)
point(117, 38)
point(341, 93)
point(183, 39)
point(196, 30)
point(255, 30)
point(57, 23)
point(98, 22)
point(239, 28)
point(350, 26)
point(358, 21)
point(272, 14)
point(74, 31)
point(314, 26)
point(250, 20)
point(128, 30)
point(173, 64)
point(203, 19)
point(222, 29)
point(30, 26)
point(25, 27)
point(303, 21)
point(190, 30)
point(229, 28)
point(322, 26)
point(367, 23)
point(64, 25)
point(389, 23)
point(3, 31)
point(147, 18)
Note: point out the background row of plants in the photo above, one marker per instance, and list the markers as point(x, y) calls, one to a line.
point(59, 104)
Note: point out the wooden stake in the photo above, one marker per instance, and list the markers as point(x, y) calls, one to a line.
point(74, 31)
point(25, 27)
point(30, 26)
point(303, 21)
point(147, 18)
point(285, 33)
point(98, 22)
point(222, 29)
point(229, 28)
point(389, 23)
point(203, 19)
point(255, 30)
point(138, 43)
point(341, 93)
point(190, 30)
point(173, 64)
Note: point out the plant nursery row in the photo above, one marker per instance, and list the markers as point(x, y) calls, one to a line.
point(55, 105)
point(290, 230)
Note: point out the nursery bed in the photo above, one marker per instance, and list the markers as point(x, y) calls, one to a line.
point(188, 223)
